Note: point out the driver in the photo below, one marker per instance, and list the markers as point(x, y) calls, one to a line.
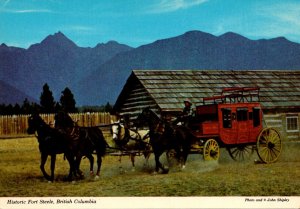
point(187, 112)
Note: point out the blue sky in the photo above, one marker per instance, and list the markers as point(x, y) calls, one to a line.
point(138, 22)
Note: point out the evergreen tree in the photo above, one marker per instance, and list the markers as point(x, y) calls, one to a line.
point(2, 109)
point(108, 108)
point(9, 110)
point(16, 109)
point(67, 101)
point(57, 107)
point(35, 108)
point(47, 100)
point(26, 107)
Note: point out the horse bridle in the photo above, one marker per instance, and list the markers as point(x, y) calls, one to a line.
point(119, 129)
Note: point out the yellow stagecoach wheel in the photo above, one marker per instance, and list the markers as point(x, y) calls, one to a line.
point(269, 145)
point(211, 150)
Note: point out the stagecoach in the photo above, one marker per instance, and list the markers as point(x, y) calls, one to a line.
point(233, 120)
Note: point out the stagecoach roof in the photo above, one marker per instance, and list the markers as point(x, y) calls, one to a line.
point(167, 89)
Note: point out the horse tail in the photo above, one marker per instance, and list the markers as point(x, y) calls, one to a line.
point(103, 143)
point(98, 140)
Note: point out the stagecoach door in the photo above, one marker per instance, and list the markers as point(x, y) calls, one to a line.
point(228, 129)
point(243, 127)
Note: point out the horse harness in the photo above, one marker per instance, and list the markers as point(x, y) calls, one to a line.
point(124, 136)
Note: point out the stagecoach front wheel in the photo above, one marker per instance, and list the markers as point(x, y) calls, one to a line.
point(241, 152)
point(211, 150)
point(269, 145)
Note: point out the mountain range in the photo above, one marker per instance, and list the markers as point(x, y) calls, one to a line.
point(97, 75)
point(56, 60)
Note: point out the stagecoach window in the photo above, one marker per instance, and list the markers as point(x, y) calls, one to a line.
point(292, 123)
point(256, 117)
point(226, 113)
point(242, 114)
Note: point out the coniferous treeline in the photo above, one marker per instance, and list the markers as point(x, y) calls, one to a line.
point(47, 104)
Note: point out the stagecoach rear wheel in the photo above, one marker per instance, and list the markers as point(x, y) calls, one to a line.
point(241, 152)
point(269, 145)
point(211, 150)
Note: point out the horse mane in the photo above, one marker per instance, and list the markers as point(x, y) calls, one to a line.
point(63, 120)
point(42, 122)
point(166, 123)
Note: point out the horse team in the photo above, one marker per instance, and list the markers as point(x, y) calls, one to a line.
point(76, 142)
point(72, 141)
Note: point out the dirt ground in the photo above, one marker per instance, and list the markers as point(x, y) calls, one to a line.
point(20, 175)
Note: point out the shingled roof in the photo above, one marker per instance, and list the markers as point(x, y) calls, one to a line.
point(168, 89)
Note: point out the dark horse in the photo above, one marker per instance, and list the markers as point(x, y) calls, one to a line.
point(51, 142)
point(89, 139)
point(164, 137)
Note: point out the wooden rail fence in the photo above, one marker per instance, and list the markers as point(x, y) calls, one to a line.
point(14, 125)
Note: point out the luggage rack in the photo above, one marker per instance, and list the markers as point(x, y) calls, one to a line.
point(235, 95)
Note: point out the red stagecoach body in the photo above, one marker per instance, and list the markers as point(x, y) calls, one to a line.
point(235, 123)
point(234, 119)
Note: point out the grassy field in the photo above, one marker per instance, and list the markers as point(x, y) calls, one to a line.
point(20, 176)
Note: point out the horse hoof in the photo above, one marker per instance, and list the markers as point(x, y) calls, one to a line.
point(165, 170)
point(97, 177)
point(73, 182)
point(49, 182)
point(258, 161)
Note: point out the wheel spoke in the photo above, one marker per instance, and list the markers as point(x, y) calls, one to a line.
point(242, 155)
point(234, 151)
point(272, 155)
point(276, 151)
point(273, 136)
point(264, 152)
point(277, 140)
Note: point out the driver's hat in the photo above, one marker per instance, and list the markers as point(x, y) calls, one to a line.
point(187, 101)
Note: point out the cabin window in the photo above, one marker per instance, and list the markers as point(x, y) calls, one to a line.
point(256, 117)
point(292, 124)
point(242, 114)
point(226, 113)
